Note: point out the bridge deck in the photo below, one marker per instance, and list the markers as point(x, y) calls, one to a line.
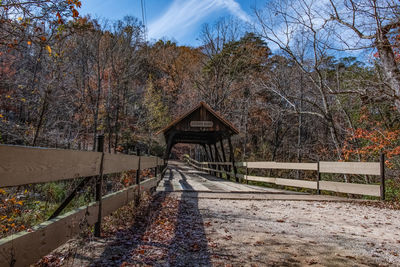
point(182, 179)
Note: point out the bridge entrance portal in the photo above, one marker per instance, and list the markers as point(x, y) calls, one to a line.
point(205, 127)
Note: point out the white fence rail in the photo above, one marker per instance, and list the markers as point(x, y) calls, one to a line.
point(360, 168)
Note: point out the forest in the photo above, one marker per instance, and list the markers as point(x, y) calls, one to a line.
point(307, 80)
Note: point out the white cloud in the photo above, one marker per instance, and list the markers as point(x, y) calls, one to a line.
point(183, 14)
point(235, 9)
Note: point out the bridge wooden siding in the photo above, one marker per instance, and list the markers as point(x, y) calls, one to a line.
point(360, 168)
point(27, 165)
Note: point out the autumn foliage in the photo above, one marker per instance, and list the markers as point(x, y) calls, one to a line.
point(10, 211)
point(372, 139)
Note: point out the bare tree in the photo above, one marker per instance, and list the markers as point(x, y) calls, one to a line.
point(372, 23)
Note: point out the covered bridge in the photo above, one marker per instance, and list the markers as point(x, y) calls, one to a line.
point(202, 126)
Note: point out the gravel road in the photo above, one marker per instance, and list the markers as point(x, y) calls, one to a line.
point(298, 233)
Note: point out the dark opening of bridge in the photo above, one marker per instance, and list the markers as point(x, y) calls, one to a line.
point(202, 126)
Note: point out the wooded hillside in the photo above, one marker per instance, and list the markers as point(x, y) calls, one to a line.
point(299, 84)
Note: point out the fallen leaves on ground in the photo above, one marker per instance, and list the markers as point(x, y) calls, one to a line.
point(169, 231)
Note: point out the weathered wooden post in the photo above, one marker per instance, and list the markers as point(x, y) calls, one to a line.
point(99, 186)
point(137, 198)
point(228, 169)
point(218, 159)
point(208, 158)
point(247, 174)
point(382, 162)
point(318, 178)
point(156, 168)
point(212, 160)
point(232, 156)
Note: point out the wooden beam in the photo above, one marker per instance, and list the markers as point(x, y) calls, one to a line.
point(26, 248)
point(217, 163)
point(27, 165)
point(147, 162)
point(382, 169)
point(228, 168)
point(70, 197)
point(368, 168)
point(286, 182)
point(217, 159)
point(281, 165)
point(318, 179)
point(270, 180)
point(297, 183)
point(137, 199)
point(212, 159)
point(232, 158)
point(349, 188)
point(207, 155)
point(170, 144)
point(114, 163)
point(99, 186)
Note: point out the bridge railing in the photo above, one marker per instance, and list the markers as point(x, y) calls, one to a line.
point(204, 166)
point(315, 182)
point(29, 165)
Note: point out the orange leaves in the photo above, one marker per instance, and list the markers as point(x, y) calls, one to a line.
point(10, 208)
point(59, 18)
point(75, 13)
point(76, 3)
point(146, 173)
point(378, 139)
point(128, 178)
point(73, 4)
point(48, 48)
point(371, 139)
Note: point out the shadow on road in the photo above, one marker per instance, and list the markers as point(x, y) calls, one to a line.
point(190, 241)
point(147, 242)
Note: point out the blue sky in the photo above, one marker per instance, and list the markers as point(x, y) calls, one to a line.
point(177, 19)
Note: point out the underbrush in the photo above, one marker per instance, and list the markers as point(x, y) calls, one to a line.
point(23, 207)
point(393, 190)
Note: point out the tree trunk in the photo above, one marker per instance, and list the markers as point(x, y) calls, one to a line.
point(41, 117)
point(389, 65)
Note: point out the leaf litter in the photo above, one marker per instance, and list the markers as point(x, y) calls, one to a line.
point(163, 231)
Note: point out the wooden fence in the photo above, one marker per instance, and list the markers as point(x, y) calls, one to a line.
point(360, 168)
point(26, 165)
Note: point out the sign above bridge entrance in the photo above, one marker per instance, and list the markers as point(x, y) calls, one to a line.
point(201, 124)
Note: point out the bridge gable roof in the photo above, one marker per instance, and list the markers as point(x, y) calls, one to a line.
point(201, 125)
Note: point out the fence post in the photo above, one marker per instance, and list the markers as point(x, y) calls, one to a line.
point(247, 173)
point(164, 167)
point(156, 168)
point(318, 179)
point(382, 162)
point(137, 198)
point(99, 186)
